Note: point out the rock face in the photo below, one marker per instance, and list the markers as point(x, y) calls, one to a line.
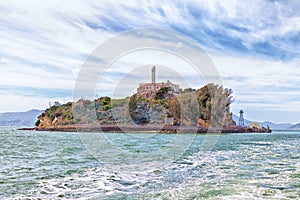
point(203, 123)
point(55, 116)
point(45, 122)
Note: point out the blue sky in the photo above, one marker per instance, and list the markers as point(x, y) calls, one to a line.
point(255, 45)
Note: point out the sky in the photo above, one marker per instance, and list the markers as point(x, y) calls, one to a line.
point(254, 45)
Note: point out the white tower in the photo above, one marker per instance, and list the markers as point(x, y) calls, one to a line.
point(153, 74)
point(153, 77)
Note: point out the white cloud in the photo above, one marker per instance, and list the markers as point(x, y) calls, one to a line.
point(44, 44)
point(135, 68)
point(10, 102)
point(261, 84)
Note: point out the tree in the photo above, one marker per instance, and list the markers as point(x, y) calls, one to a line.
point(161, 93)
point(103, 103)
point(37, 123)
point(214, 104)
point(173, 110)
point(139, 109)
point(189, 108)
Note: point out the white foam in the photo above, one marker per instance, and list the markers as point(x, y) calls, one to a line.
point(249, 172)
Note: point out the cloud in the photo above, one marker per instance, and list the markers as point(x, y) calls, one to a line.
point(255, 45)
point(262, 87)
point(134, 68)
point(14, 102)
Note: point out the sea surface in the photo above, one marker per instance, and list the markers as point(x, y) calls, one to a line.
point(60, 165)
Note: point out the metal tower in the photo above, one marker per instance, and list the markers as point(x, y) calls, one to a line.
point(241, 119)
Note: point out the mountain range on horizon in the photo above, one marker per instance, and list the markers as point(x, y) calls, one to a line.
point(28, 119)
point(272, 125)
point(295, 126)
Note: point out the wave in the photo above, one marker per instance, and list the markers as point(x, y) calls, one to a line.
point(264, 170)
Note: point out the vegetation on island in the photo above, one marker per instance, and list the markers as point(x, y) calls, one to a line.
point(207, 106)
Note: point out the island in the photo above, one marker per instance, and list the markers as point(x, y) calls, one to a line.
point(159, 107)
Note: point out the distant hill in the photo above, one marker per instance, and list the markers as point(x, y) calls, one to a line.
point(295, 126)
point(26, 119)
point(272, 125)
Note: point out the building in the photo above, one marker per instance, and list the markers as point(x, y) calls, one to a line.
point(56, 103)
point(148, 90)
point(169, 121)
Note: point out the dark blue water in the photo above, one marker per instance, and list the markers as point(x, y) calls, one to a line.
point(57, 165)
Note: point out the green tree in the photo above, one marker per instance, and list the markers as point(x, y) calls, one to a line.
point(37, 123)
point(161, 93)
point(139, 109)
point(173, 110)
point(214, 104)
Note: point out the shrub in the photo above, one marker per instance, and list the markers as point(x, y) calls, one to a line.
point(37, 123)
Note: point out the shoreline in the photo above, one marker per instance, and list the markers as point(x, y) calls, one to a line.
point(149, 129)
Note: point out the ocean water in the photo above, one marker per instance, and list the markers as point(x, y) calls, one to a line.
point(59, 165)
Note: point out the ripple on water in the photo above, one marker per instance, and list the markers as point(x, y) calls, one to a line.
point(239, 167)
